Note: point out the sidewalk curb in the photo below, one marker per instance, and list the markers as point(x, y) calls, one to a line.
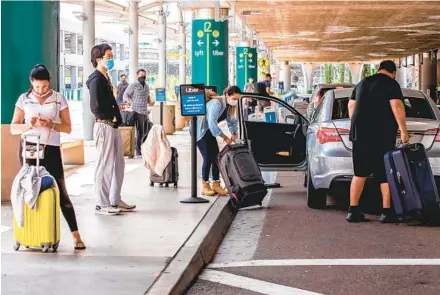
point(196, 252)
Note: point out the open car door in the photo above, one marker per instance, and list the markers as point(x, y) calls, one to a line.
point(274, 131)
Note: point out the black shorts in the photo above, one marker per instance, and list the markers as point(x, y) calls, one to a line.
point(368, 159)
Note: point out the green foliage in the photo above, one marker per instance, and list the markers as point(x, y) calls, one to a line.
point(328, 73)
point(366, 71)
point(350, 77)
point(374, 69)
point(341, 73)
point(172, 82)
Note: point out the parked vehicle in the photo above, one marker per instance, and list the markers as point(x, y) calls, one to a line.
point(329, 149)
point(321, 90)
point(322, 148)
point(276, 137)
point(325, 88)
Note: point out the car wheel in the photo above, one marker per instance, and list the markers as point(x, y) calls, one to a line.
point(316, 198)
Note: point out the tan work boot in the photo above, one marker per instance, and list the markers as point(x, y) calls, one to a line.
point(206, 189)
point(216, 187)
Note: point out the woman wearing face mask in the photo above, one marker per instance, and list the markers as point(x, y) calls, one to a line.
point(47, 112)
point(218, 109)
point(110, 163)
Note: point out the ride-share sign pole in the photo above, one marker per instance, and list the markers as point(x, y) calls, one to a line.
point(161, 97)
point(193, 104)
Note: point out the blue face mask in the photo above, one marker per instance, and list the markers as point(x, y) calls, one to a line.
point(109, 64)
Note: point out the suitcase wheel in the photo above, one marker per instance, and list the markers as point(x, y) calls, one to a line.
point(16, 246)
point(167, 185)
point(160, 184)
point(175, 185)
point(151, 183)
point(27, 247)
point(55, 246)
point(45, 248)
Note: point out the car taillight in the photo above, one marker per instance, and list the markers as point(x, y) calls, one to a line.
point(326, 135)
point(435, 132)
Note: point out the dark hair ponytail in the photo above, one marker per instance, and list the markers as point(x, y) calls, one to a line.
point(232, 90)
point(40, 73)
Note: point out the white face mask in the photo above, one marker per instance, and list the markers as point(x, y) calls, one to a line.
point(232, 102)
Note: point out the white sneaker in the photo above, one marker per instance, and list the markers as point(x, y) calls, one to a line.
point(109, 210)
point(126, 208)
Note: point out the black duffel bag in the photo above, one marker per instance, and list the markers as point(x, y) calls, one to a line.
point(128, 118)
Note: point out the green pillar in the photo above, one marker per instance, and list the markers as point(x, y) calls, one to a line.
point(210, 53)
point(246, 65)
point(30, 35)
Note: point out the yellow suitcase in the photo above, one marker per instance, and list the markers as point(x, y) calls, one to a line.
point(41, 227)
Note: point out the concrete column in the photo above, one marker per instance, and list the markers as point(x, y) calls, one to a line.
point(286, 75)
point(73, 77)
point(401, 76)
point(122, 51)
point(438, 69)
point(308, 70)
point(356, 71)
point(88, 43)
point(133, 19)
point(428, 75)
point(162, 49)
point(232, 74)
point(182, 50)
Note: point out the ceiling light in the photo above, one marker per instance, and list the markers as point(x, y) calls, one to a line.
point(244, 13)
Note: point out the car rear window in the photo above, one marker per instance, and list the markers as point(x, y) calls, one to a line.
point(415, 107)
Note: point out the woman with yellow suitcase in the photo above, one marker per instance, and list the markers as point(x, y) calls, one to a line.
point(46, 112)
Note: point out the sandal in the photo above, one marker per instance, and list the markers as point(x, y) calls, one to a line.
point(79, 245)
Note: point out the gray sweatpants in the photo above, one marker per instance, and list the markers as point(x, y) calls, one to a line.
point(110, 165)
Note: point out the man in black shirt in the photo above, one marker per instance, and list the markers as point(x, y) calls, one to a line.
point(377, 111)
point(121, 89)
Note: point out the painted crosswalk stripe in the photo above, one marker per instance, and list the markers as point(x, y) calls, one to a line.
point(262, 287)
point(329, 262)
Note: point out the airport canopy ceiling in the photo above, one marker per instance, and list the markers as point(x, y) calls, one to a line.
point(312, 31)
point(332, 31)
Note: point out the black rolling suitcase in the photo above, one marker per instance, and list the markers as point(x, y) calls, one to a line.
point(242, 176)
point(170, 174)
point(413, 188)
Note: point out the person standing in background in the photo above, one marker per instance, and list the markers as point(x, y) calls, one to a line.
point(138, 93)
point(121, 89)
point(267, 82)
point(250, 86)
point(110, 163)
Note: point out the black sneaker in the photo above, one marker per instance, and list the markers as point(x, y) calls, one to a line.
point(391, 218)
point(355, 215)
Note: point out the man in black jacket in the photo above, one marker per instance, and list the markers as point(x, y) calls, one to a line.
point(110, 163)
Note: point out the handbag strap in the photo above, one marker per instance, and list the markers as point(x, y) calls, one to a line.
point(56, 113)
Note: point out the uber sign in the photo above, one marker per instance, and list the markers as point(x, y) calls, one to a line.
point(192, 99)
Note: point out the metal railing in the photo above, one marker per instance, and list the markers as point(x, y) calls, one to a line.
point(73, 94)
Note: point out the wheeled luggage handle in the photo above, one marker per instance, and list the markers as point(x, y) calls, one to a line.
point(36, 135)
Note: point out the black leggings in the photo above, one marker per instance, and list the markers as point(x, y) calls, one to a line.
point(54, 165)
point(208, 147)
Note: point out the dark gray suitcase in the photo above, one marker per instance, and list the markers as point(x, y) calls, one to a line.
point(412, 184)
point(170, 174)
point(242, 176)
